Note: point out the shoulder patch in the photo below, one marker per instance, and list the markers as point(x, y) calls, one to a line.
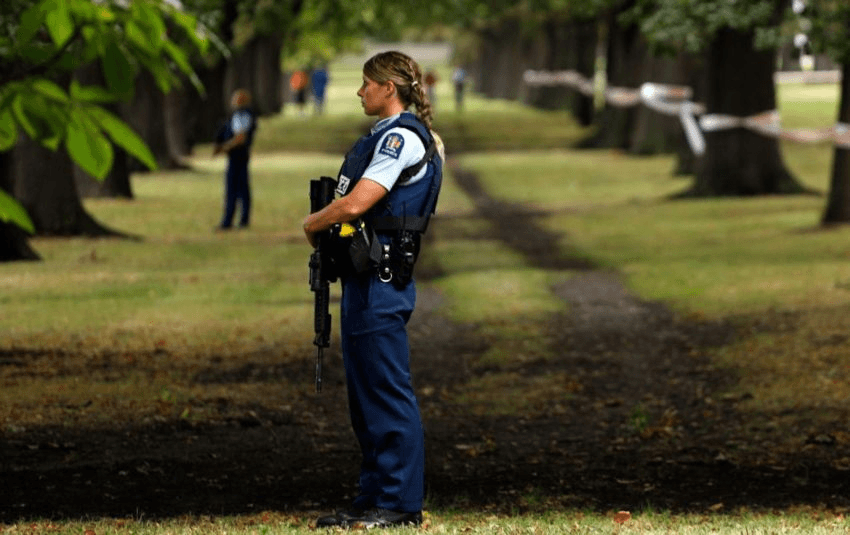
point(392, 145)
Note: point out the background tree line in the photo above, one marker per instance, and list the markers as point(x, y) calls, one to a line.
point(158, 75)
point(725, 50)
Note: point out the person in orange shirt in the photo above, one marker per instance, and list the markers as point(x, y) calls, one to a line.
point(431, 85)
point(298, 83)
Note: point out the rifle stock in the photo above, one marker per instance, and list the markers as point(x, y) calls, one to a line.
point(321, 274)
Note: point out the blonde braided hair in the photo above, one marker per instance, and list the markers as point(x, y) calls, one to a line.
point(406, 75)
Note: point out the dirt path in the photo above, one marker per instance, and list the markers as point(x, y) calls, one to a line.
point(641, 418)
point(650, 421)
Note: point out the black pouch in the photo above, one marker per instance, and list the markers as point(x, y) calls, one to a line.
point(405, 251)
point(364, 251)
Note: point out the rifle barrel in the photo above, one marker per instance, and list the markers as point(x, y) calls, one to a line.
point(319, 357)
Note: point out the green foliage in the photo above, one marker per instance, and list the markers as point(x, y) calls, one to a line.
point(476, 14)
point(693, 23)
point(324, 29)
point(53, 38)
point(313, 47)
point(12, 212)
point(826, 22)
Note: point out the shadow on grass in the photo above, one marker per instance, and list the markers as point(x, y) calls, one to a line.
point(625, 412)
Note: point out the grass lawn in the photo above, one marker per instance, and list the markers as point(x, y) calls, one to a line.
point(184, 286)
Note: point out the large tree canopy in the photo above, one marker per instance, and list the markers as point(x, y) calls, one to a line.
point(41, 42)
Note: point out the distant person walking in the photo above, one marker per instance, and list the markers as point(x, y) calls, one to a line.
point(431, 85)
point(459, 81)
point(298, 84)
point(234, 139)
point(319, 82)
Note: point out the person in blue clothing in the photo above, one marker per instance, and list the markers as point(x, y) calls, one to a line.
point(318, 83)
point(459, 81)
point(234, 139)
point(387, 188)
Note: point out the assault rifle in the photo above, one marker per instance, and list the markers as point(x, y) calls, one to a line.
point(321, 273)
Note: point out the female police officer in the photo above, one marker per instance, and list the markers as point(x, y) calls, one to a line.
point(389, 183)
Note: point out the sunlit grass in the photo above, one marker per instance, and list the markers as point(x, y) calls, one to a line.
point(500, 293)
point(808, 105)
point(557, 522)
point(573, 179)
point(718, 256)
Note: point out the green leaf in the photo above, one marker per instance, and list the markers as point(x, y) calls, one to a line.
point(59, 23)
point(90, 93)
point(43, 118)
point(52, 121)
point(31, 21)
point(8, 130)
point(88, 147)
point(35, 53)
point(161, 72)
point(123, 136)
point(49, 89)
point(137, 35)
point(21, 116)
point(193, 29)
point(104, 14)
point(11, 211)
point(119, 72)
point(149, 16)
point(178, 55)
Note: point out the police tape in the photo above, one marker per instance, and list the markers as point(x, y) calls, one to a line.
point(675, 100)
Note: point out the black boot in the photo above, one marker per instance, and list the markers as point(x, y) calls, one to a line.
point(340, 518)
point(383, 518)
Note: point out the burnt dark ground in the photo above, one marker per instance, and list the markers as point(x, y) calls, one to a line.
point(645, 421)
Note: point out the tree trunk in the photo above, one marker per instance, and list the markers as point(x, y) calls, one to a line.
point(570, 45)
point(838, 204)
point(206, 113)
point(555, 33)
point(655, 132)
point(738, 161)
point(43, 182)
point(14, 242)
point(268, 97)
point(789, 57)
point(508, 51)
point(174, 120)
point(240, 71)
point(145, 115)
point(487, 62)
point(117, 181)
point(584, 43)
point(627, 51)
point(686, 159)
point(256, 67)
point(500, 54)
point(116, 184)
point(533, 49)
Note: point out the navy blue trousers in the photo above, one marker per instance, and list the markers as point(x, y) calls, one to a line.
point(382, 403)
point(236, 189)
